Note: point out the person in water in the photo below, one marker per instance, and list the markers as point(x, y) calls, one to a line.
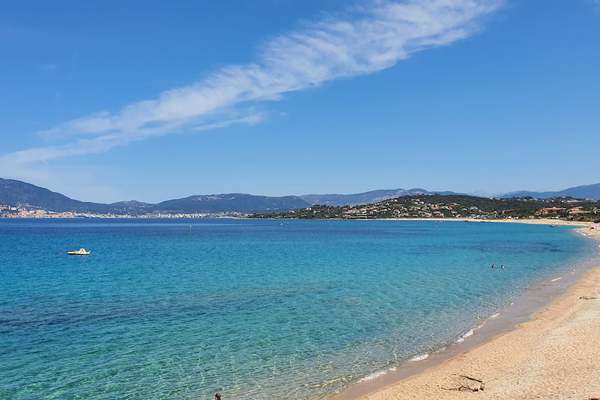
point(217, 396)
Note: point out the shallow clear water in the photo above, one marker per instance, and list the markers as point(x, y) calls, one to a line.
point(254, 309)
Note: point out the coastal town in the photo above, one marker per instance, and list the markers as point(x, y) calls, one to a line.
point(9, 211)
point(454, 206)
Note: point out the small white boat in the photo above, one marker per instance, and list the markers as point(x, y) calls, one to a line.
point(80, 252)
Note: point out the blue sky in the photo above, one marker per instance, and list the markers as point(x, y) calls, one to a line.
point(108, 101)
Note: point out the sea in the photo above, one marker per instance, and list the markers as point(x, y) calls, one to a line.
point(252, 309)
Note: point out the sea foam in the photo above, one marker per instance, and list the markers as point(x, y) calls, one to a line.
point(376, 374)
point(420, 357)
point(468, 334)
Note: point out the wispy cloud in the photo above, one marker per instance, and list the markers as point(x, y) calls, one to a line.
point(363, 40)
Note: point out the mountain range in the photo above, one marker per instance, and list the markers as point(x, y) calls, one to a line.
point(372, 196)
point(591, 192)
point(18, 193)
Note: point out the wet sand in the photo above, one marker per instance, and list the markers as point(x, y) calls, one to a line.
point(554, 354)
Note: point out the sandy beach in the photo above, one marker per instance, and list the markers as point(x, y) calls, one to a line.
point(554, 355)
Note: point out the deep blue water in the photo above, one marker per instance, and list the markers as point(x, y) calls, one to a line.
point(254, 309)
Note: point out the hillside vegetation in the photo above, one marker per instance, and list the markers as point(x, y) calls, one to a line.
point(453, 206)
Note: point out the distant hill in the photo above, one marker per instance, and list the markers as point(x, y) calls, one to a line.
point(373, 196)
point(591, 192)
point(238, 202)
point(452, 207)
point(131, 206)
point(17, 193)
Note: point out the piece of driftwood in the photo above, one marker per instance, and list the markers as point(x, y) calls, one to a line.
point(588, 298)
point(478, 387)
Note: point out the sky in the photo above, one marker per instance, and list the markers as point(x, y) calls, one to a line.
point(109, 100)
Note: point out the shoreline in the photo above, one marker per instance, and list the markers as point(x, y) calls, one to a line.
point(532, 221)
point(513, 356)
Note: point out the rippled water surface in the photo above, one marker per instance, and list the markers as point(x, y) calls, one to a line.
point(254, 309)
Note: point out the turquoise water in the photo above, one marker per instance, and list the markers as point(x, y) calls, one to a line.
point(254, 309)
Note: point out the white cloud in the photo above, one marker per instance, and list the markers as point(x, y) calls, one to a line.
point(366, 39)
